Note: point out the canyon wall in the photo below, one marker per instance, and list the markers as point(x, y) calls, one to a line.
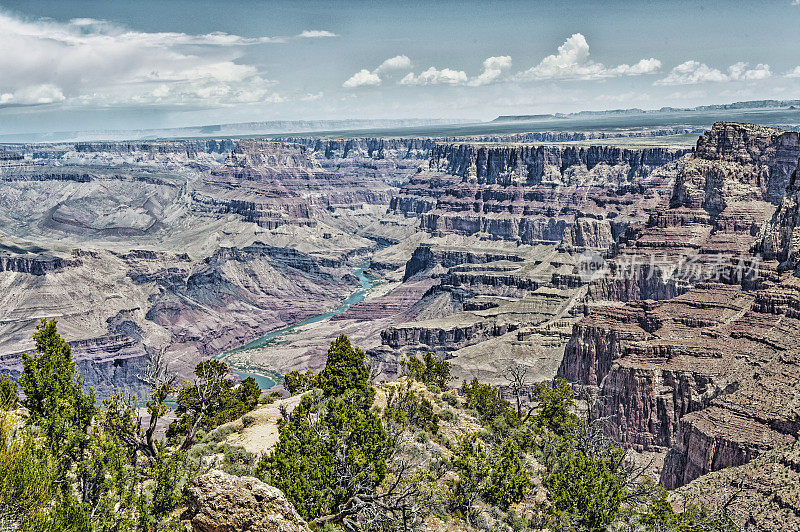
point(581, 197)
point(704, 372)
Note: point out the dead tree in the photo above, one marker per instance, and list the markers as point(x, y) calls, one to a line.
point(520, 385)
point(162, 385)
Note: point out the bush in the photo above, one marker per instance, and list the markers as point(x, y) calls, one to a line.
point(296, 382)
point(583, 490)
point(327, 452)
point(659, 515)
point(507, 480)
point(450, 399)
point(211, 401)
point(345, 371)
point(237, 461)
point(405, 408)
point(447, 415)
point(219, 434)
point(9, 396)
point(332, 446)
point(492, 410)
point(28, 473)
point(248, 421)
point(556, 403)
point(430, 370)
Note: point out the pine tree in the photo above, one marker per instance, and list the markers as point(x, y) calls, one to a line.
point(345, 371)
point(584, 490)
point(328, 453)
point(54, 394)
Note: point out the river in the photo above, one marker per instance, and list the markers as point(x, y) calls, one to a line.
point(277, 336)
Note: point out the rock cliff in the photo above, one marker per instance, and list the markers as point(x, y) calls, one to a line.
point(581, 197)
point(705, 371)
point(761, 495)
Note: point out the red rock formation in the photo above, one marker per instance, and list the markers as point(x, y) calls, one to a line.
point(709, 372)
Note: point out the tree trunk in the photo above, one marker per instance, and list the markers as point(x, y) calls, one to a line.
point(190, 437)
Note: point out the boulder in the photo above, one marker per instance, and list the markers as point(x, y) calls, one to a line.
point(219, 502)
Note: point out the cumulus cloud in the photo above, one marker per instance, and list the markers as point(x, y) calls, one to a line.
point(793, 73)
point(694, 72)
point(398, 62)
point(362, 78)
point(365, 78)
point(493, 68)
point(434, 76)
point(93, 62)
point(33, 95)
point(742, 71)
point(315, 34)
point(572, 62)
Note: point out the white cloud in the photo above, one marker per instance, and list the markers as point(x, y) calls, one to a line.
point(793, 73)
point(742, 71)
point(572, 62)
point(93, 62)
point(315, 34)
point(398, 62)
point(433, 76)
point(492, 70)
point(362, 78)
point(644, 66)
point(694, 72)
point(33, 95)
point(365, 78)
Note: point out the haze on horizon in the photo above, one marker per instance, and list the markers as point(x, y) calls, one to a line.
point(71, 65)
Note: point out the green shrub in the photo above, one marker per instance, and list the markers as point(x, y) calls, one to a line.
point(430, 370)
point(447, 415)
point(450, 399)
point(556, 403)
point(345, 371)
point(9, 397)
point(405, 408)
point(583, 490)
point(296, 382)
point(507, 481)
point(327, 452)
point(493, 411)
point(211, 401)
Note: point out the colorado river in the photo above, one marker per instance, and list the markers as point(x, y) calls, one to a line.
point(274, 337)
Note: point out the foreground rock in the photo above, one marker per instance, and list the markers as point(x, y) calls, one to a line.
point(219, 502)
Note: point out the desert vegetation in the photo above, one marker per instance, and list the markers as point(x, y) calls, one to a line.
point(353, 454)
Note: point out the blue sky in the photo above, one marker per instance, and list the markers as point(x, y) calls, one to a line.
point(113, 64)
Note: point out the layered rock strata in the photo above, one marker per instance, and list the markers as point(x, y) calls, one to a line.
point(706, 371)
point(194, 247)
point(582, 197)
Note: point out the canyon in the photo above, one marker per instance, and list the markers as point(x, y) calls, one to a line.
point(662, 280)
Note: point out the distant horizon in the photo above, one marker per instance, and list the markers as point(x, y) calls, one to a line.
point(416, 126)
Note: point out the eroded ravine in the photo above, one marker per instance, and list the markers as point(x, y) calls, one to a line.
point(268, 379)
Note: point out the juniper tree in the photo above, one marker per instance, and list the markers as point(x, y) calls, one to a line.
point(345, 370)
point(54, 395)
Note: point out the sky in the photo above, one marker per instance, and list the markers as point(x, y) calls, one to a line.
point(121, 64)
